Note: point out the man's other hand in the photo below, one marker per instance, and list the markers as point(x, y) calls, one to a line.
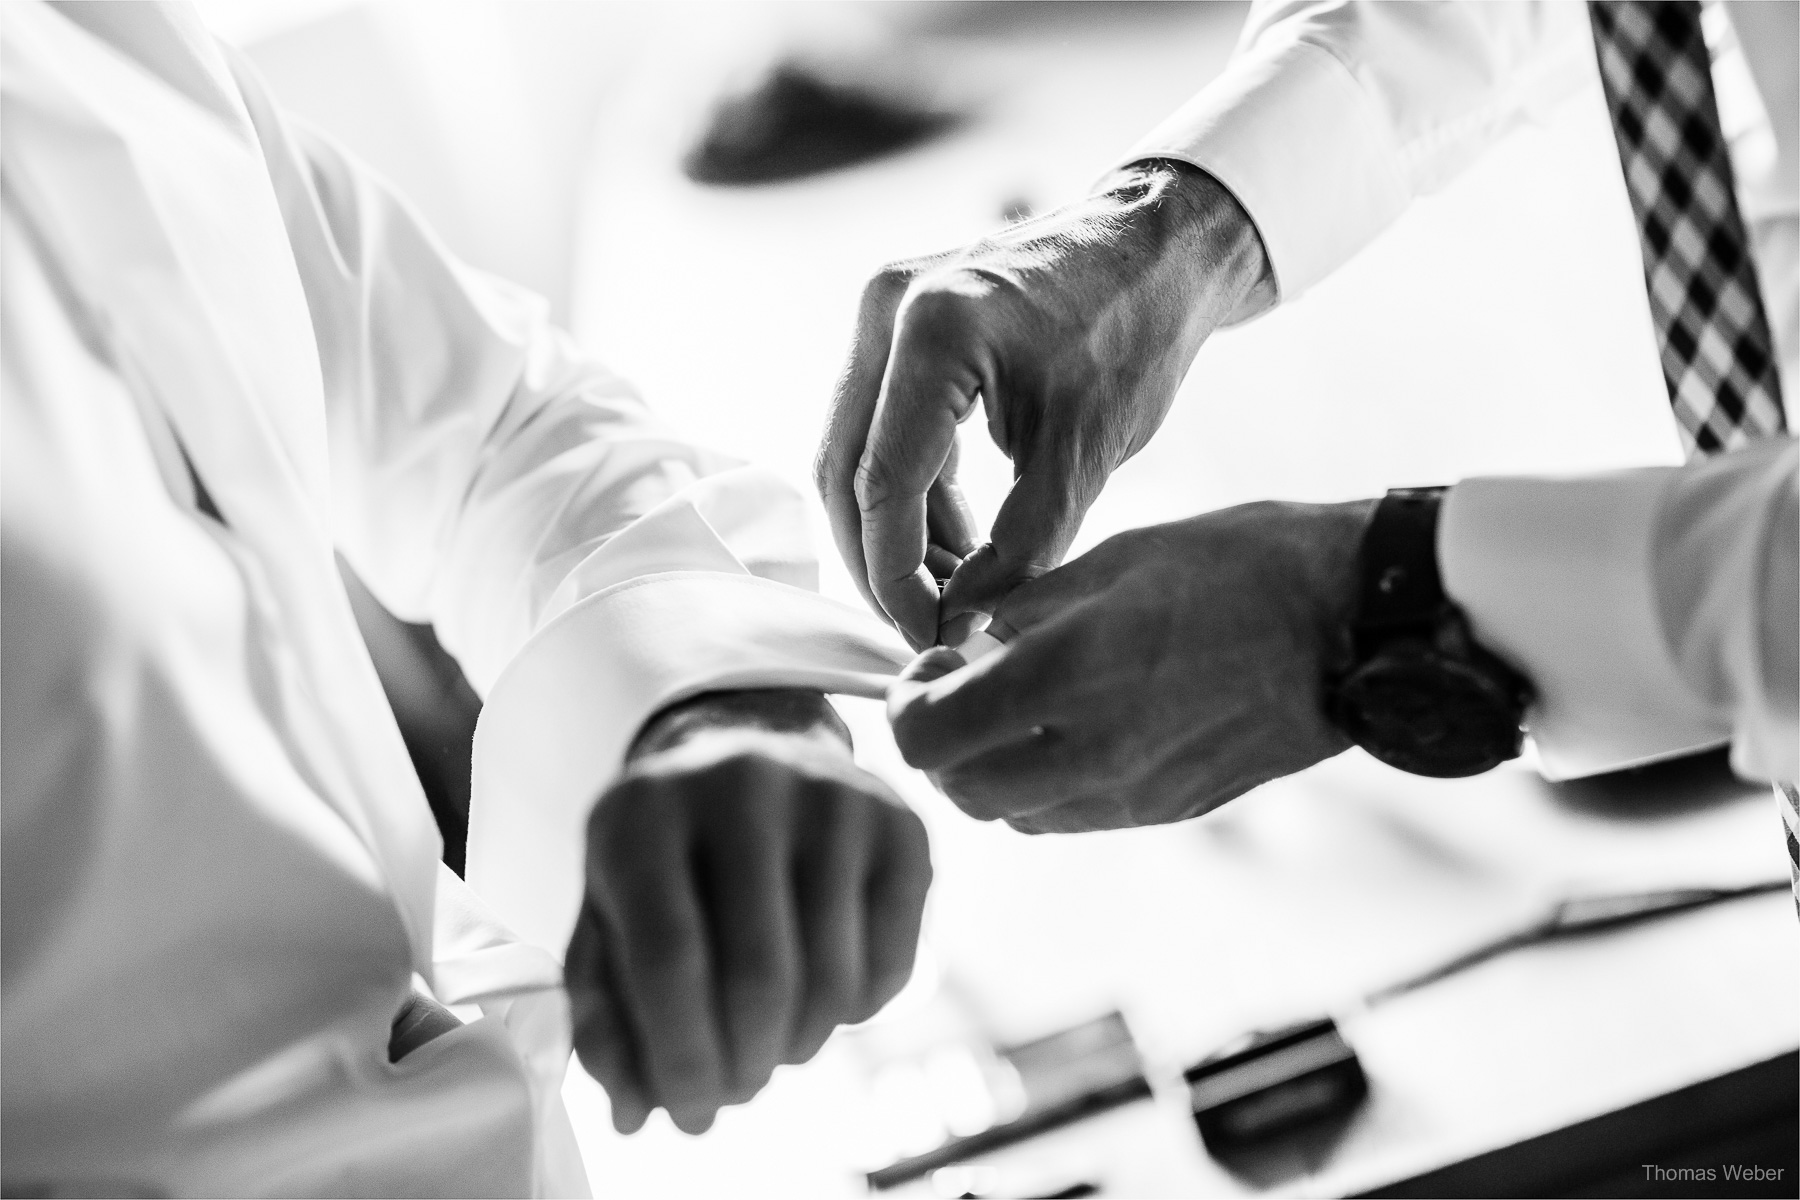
point(748, 890)
point(1167, 671)
point(1074, 330)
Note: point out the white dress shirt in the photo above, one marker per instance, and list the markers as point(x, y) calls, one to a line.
point(1655, 611)
point(221, 879)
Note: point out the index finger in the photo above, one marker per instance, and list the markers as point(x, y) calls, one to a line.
point(852, 409)
point(1032, 531)
point(998, 701)
point(930, 385)
point(926, 716)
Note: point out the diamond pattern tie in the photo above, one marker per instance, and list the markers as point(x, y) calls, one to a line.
point(1717, 356)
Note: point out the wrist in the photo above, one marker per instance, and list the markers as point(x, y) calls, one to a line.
point(1197, 222)
point(1333, 559)
point(789, 713)
point(1415, 689)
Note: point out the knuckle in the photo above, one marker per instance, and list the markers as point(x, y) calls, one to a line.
point(874, 481)
point(762, 973)
point(826, 471)
point(845, 432)
point(614, 803)
point(936, 314)
point(740, 776)
point(664, 956)
point(630, 815)
point(870, 483)
point(845, 808)
point(887, 285)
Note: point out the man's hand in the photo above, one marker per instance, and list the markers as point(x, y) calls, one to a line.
point(1171, 669)
point(748, 890)
point(1074, 329)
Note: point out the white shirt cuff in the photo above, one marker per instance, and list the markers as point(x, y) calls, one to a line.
point(1304, 149)
point(557, 724)
point(1556, 577)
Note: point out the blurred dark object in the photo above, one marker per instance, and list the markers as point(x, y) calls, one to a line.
point(1076, 1073)
point(1737, 1135)
point(1666, 789)
point(1081, 1059)
point(795, 123)
point(1272, 1106)
point(1271, 1083)
point(433, 704)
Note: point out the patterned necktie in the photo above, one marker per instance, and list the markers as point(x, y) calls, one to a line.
point(1717, 356)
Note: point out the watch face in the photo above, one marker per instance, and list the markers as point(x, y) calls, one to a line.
point(1428, 714)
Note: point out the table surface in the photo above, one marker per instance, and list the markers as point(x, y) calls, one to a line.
point(1509, 305)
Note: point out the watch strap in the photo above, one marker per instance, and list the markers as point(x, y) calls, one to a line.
point(1402, 590)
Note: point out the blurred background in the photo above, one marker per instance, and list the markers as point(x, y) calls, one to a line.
point(700, 190)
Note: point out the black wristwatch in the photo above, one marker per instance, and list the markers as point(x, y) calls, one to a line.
point(1419, 693)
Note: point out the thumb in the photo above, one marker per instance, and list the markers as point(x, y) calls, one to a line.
point(1053, 593)
point(1032, 532)
point(935, 663)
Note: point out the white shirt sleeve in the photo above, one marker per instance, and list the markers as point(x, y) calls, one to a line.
point(583, 564)
point(1655, 611)
point(1331, 117)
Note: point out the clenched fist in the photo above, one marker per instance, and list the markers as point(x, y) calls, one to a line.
point(749, 889)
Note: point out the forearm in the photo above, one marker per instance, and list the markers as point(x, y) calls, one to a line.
point(1210, 248)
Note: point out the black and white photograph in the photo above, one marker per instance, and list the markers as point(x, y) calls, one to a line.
point(902, 599)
